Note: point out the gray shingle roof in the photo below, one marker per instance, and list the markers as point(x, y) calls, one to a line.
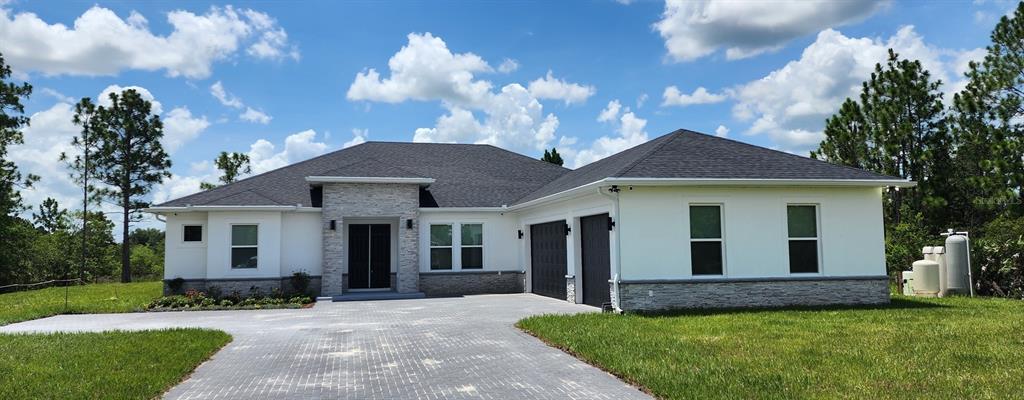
point(469, 175)
point(691, 155)
point(466, 175)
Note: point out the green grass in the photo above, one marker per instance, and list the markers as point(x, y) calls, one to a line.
point(94, 298)
point(936, 348)
point(108, 365)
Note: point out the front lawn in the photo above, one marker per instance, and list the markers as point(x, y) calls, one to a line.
point(950, 348)
point(93, 298)
point(108, 365)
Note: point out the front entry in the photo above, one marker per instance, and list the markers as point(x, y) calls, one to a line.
point(596, 259)
point(548, 259)
point(369, 256)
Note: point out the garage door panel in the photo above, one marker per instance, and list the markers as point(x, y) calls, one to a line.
point(548, 259)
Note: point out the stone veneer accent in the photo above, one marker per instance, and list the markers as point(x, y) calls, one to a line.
point(459, 283)
point(370, 200)
point(243, 286)
point(570, 289)
point(658, 295)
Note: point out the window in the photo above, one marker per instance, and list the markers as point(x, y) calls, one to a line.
point(802, 224)
point(193, 233)
point(243, 246)
point(440, 247)
point(472, 246)
point(706, 239)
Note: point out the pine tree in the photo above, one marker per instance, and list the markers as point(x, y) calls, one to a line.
point(232, 165)
point(898, 128)
point(129, 159)
point(51, 218)
point(989, 128)
point(15, 232)
point(552, 157)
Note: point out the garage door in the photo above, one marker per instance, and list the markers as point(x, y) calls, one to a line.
point(596, 259)
point(547, 256)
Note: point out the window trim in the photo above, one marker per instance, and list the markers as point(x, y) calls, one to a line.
point(232, 246)
point(431, 246)
point(202, 235)
point(483, 237)
point(816, 238)
point(721, 237)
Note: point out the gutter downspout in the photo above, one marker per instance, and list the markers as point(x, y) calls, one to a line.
point(618, 248)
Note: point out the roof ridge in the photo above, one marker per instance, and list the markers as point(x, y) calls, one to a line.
point(674, 134)
point(790, 154)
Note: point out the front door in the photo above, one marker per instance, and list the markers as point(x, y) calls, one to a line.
point(369, 256)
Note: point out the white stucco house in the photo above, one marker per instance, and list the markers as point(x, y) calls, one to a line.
point(684, 220)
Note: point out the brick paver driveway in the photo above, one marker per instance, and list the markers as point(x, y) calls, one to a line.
point(428, 348)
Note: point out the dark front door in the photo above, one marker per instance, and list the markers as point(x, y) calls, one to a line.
point(369, 256)
point(596, 259)
point(547, 257)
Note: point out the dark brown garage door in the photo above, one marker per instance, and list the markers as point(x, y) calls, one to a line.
point(547, 256)
point(596, 259)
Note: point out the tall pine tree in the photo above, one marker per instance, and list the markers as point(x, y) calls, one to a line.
point(15, 232)
point(989, 128)
point(129, 159)
point(898, 128)
point(231, 165)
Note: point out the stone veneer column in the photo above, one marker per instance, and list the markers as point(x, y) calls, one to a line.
point(370, 200)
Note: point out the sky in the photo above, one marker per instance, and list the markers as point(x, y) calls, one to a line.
point(286, 81)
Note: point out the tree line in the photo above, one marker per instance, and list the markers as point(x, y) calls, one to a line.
point(118, 160)
point(967, 156)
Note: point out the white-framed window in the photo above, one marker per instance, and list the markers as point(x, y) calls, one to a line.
point(803, 238)
point(472, 246)
point(192, 233)
point(707, 248)
point(441, 246)
point(244, 248)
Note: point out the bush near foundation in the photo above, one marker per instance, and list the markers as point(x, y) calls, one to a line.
point(198, 300)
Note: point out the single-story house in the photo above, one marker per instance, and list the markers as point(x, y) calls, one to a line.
point(684, 220)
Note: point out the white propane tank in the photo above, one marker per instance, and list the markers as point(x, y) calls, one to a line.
point(926, 278)
point(957, 265)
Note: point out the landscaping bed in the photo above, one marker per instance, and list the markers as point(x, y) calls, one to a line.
point(948, 348)
point(109, 365)
point(194, 300)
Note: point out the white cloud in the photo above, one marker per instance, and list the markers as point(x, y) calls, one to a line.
point(791, 103)
point(425, 70)
point(630, 129)
point(48, 134)
point(641, 100)
point(610, 112)
point(673, 97)
point(225, 98)
point(694, 29)
point(549, 87)
point(508, 66)
point(57, 95)
point(101, 43)
point(228, 99)
point(264, 156)
point(722, 131)
point(358, 137)
point(514, 120)
point(255, 116)
point(180, 127)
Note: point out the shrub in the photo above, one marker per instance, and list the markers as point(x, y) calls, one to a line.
point(214, 292)
point(300, 282)
point(176, 284)
point(998, 258)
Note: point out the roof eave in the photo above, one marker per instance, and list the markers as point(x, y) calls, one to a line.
point(714, 182)
point(202, 208)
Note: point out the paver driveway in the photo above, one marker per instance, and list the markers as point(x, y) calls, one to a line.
point(427, 348)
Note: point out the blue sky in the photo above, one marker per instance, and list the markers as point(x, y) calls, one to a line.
point(297, 79)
